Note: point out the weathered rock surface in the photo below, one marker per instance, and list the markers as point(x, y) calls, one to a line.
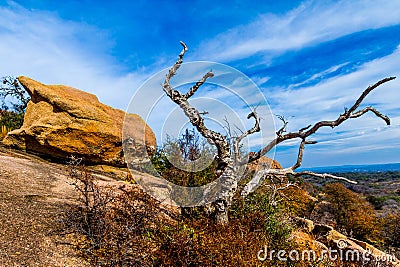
point(61, 121)
point(335, 245)
point(263, 163)
point(34, 195)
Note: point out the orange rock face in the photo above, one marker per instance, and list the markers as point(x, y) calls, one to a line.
point(263, 163)
point(61, 121)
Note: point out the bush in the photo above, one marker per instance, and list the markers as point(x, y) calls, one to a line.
point(254, 224)
point(352, 212)
point(188, 154)
point(126, 227)
point(298, 202)
point(14, 101)
point(111, 226)
point(391, 227)
point(10, 120)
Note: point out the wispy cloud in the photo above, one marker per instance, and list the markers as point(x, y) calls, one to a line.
point(318, 76)
point(45, 47)
point(327, 99)
point(312, 22)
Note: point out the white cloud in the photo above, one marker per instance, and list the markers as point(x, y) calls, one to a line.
point(319, 75)
point(331, 96)
point(43, 46)
point(354, 140)
point(310, 23)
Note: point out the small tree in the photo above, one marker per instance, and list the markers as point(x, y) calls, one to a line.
point(185, 160)
point(353, 213)
point(229, 160)
point(391, 227)
point(14, 100)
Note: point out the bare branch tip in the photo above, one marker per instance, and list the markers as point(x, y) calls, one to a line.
point(311, 142)
point(184, 45)
point(251, 114)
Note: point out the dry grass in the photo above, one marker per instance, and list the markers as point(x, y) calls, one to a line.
point(3, 132)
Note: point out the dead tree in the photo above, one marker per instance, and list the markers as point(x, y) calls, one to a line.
point(229, 161)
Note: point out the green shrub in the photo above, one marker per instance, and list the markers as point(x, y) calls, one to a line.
point(185, 152)
point(11, 120)
point(14, 100)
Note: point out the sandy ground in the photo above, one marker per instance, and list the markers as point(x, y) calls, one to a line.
point(33, 193)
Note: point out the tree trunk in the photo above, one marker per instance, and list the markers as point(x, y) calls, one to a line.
point(229, 184)
point(221, 212)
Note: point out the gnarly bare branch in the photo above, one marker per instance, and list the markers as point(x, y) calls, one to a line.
point(259, 177)
point(377, 113)
point(277, 182)
point(366, 92)
point(283, 128)
point(305, 128)
point(228, 128)
point(223, 149)
point(300, 154)
point(307, 131)
point(256, 128)
point(194, 88)
point(325, 176)
point(166, 85)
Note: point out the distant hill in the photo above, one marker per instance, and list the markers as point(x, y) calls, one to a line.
point(355, 168)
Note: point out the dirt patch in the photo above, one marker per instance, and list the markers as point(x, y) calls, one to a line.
point(33, 195)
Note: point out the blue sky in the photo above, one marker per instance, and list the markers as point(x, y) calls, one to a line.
point(309, 58)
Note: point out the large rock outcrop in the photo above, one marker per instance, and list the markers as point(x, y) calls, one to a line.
point(61, 121)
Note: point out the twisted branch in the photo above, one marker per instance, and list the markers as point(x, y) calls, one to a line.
point(194, 88)
point(283, 128)
point(259, 177)
point(223, 149)
point(303, 133)
point(307, 131)
point(301, 151)
point(256, 128)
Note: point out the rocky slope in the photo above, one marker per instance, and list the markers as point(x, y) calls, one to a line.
point(32, 196)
